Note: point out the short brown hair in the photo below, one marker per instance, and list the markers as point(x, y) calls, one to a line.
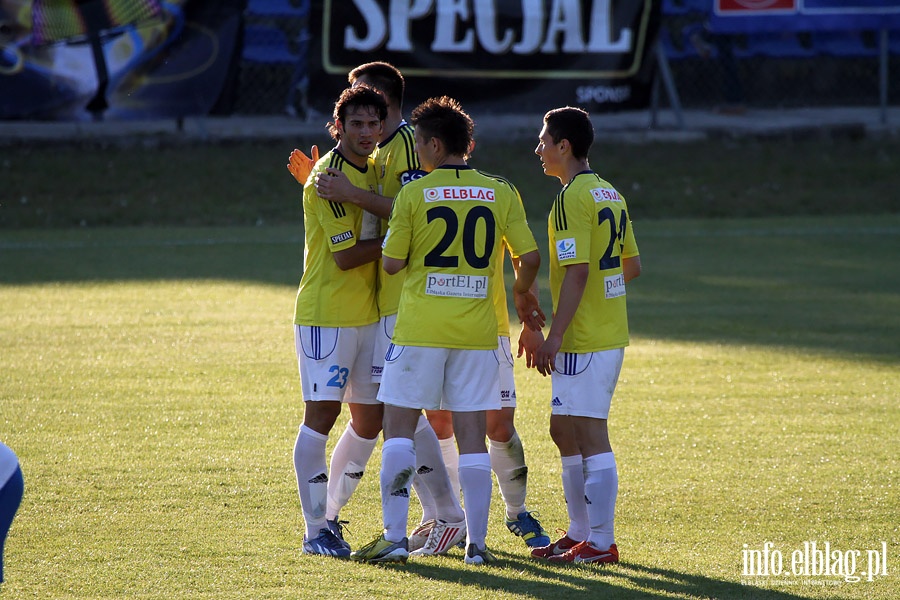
point(573, 124)
point(384, 76)
point(444, 118)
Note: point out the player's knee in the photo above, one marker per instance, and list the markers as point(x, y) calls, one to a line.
point(562, 435)
point(500, 430)
point(366, 429)
point(442, 423)
point(321, 416)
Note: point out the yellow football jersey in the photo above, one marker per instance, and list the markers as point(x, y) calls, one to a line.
point(328, 296)
point(449, 226)
point(589, 223)
point(396, 163)
point(500, 305)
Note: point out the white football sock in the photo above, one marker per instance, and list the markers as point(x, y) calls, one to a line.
point(398, 466)
point(312, 478)
point(475, 477)
point(451, 460)
point(573, 489)
point(601, 485)
point(348, 464)
point(426, 499)
point(434, 475)
point(508, 463)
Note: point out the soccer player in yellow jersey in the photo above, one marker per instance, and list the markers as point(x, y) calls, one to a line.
point(446, 230)
point(336, 315)
point(593, 254)
point(505, 448)
point(396, 163)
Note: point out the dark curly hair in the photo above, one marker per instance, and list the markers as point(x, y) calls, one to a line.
point(359, 96)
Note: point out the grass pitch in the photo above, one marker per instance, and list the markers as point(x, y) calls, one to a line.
point(149, 385)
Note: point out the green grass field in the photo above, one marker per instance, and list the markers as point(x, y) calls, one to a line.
point(149, 385)
point(247, 183)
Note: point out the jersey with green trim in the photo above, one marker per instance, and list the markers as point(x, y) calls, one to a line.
point(589, 223)
point(396, 163)
point(449, 226)
point(328, 296)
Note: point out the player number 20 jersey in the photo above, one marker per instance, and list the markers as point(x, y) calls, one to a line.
point(449, 226)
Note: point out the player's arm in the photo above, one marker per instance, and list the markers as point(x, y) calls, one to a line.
point(333, 184)
point(631, 267)
point(527, 306)
point(530, 338)
point(397, 239)
point(300, 166)
point(570, 292)
point(361, 253)
point(393, 266)
point(535, 321)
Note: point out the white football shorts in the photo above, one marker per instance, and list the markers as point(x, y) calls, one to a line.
point(507, 375)
point(441, 379)
point(336, 363)
point(583, 384)
point(382, 341)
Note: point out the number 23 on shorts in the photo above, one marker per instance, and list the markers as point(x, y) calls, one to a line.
point(339, 379)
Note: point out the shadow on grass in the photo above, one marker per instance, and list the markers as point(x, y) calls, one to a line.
point(259, 255)
point(789, 285)
point(537, 579)
point(752, 283)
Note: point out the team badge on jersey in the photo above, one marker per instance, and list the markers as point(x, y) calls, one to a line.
point(606, 195)
point(411, 175)
point(565, 249)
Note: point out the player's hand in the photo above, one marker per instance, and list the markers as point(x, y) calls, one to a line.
point(529, 311)
point(529, 342)
point(333, 184)
point(545, 357)
point(300, 165)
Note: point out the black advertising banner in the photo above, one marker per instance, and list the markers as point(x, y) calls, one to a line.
point(115, 59)
point(530, 54)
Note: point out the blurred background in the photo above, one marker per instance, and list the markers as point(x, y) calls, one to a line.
point(135, 59)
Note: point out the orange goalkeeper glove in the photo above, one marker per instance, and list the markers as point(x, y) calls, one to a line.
point(300, 165)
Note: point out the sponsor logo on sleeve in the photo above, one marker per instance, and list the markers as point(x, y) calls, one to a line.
point(606, 195)
point(459, 192)
point(342, 237)
point(565, 249)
